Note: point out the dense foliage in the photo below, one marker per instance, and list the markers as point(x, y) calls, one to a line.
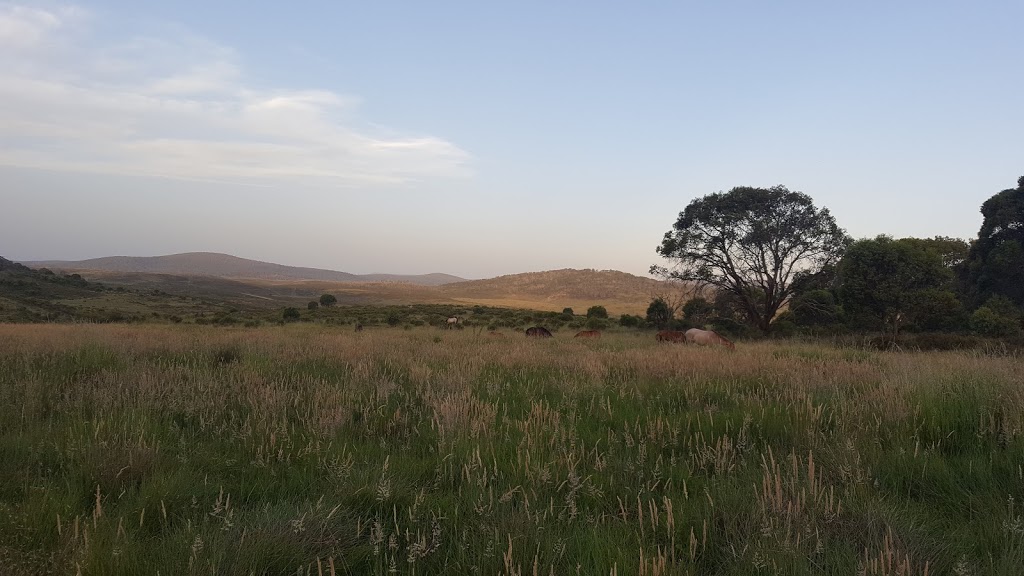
point(995, 265)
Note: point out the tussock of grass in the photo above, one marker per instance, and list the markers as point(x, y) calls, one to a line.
point(194, 450)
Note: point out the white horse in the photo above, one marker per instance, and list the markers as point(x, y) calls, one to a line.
point(706, 337)
point(452, 322)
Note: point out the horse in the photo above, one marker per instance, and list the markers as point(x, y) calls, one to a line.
point(588, 334)
point(671, 336)
point(538, 332)
point(452, 322)
point(708, 337)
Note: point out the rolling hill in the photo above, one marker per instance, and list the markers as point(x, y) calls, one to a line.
point(226, 266)
point(618, 292)
point(253, 285)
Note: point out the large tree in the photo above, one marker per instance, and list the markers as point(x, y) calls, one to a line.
point(995, 265)
point(752, 243)
point(886, 282)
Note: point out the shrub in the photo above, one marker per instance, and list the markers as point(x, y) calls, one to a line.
point(815, 308)
point(290, 314)
point(659, 313)
point(597, 312)
point(629, 320)
point(328, 300)
point(988, 322)
point(313, 305)
point(783, 325)
point(698, 311)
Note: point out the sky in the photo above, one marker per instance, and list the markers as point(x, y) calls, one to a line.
point(489, 138)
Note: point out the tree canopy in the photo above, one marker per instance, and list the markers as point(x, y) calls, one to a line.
point(752, 243)
point(995, 265)
point(892, 281)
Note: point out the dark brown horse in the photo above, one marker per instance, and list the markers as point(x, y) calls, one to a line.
point(588, 334)
point(538, 332)
point(671, 336)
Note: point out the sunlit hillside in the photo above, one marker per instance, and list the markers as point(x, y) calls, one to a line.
point(619, 292)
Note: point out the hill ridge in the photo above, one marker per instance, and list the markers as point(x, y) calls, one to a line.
point(222, 265)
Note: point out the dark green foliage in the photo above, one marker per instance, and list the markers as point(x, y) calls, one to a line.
point(999, 318)
point(936, 309)
point(630, 321)
point(728, 317)
point(328, 300)
point(313, 305)
point(597, 312)
point(890, 282)
point(659, 313)
point(594, 323)
point(815, 308)
point(290, 314)
point(995, 265)
point(752, 243)
point(698, 311)
point(567, 312)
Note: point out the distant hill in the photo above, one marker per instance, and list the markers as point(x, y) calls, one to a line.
point(253, 285)
point(28, 295)
point(226, 266)
point(619, 292)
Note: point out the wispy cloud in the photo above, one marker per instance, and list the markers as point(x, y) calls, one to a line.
point(182, 109)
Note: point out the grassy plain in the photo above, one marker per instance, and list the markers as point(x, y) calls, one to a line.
point(305, 449)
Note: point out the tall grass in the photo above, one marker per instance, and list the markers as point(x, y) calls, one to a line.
point(304, 450)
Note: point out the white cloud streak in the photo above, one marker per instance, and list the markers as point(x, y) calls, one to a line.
point(181, 109)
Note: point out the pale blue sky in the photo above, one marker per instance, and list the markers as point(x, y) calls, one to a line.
point(481, 138)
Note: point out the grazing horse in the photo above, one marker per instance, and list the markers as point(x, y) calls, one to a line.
point(452, 322)
point(588, 334)
point(538, 332)
point(707, 337)
point(671, 336)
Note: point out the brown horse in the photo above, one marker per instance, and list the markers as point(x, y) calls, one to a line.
point(588, 334)
point(671, 336)
point(708, 337)
point(538, 332)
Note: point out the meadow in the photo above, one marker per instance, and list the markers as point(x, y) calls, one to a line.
point(311, 449)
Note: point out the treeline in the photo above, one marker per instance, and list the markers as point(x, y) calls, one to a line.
point(437, 315)
point(767, 260)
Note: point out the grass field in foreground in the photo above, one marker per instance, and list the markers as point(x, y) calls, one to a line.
point(303, 450)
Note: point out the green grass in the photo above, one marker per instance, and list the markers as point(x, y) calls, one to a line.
point(305, 449)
